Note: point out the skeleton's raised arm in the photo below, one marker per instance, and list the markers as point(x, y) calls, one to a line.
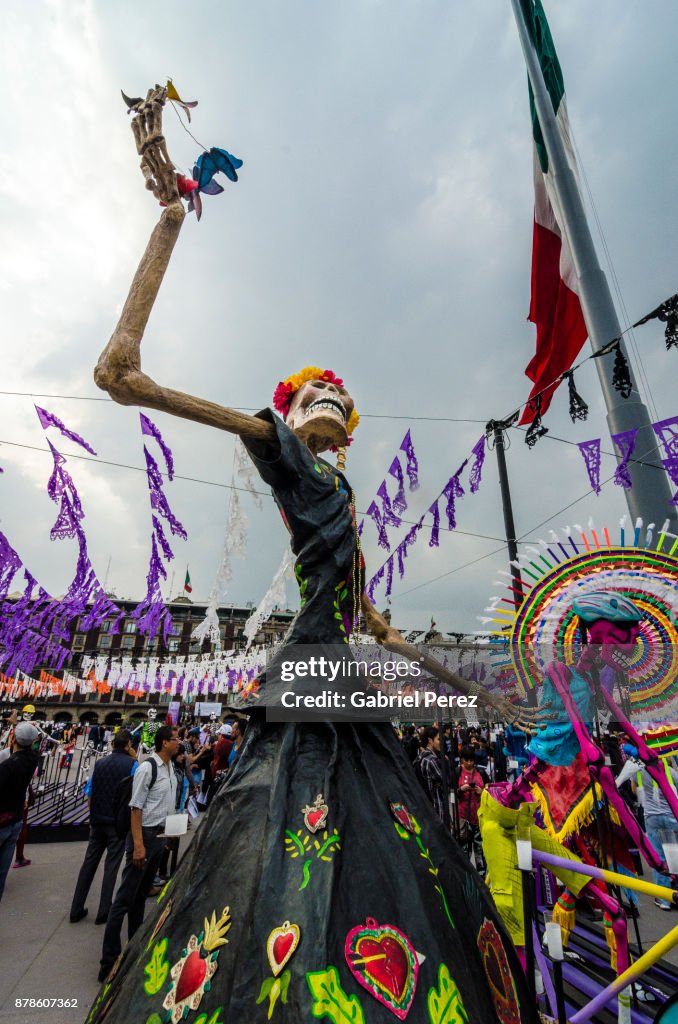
point(119, 368)
point(527, 720)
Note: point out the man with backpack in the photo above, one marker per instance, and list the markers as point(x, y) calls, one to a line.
point(153, 798)
point(101, 792)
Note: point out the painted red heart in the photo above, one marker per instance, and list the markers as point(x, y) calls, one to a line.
point(493, 968)
point(316, 819)
point(191, 978)
point(383, 960)
point(498, 972)
point(282, 946)
point(391, 970)
point(403, 816)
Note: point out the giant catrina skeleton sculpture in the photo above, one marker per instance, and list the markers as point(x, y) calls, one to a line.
point(321, 873)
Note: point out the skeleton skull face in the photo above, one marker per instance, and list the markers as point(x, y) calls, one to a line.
point(152, 714)
point(319, 412)
point(617, 641)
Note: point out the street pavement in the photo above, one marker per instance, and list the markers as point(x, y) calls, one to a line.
point(45, 956)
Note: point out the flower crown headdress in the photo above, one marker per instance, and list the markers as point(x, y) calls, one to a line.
point(286, 389)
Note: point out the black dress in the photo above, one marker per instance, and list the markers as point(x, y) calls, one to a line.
point(322, 885)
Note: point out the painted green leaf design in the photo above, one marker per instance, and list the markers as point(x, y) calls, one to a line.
point(93, 1013)
point(445, 1005)
point(155, 1018)
point(274, 988)
point(285, 984)
point(266, 987)
point(330, 1000)
point(156, 969)
point(202, 1019)
point(402, 832)
point(163, 892)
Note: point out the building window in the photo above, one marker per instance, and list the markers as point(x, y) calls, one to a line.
point(176, 628)
point(105, 642)
point(128, 642)
point(130, 626)
point(78, 642)
point(174, 645)
point(106, 626)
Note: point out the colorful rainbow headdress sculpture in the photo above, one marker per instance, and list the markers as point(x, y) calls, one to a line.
point(286, 389)
point(578, 561)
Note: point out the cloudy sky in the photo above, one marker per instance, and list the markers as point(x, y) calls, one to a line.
point(381, 227)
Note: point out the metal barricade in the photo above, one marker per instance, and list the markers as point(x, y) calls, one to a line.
point(59, 812)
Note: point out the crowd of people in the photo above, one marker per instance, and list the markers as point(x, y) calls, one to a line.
point(455, 762)
point(129, 796)
point(132, 791)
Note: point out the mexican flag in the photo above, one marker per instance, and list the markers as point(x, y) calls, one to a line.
point(554, 306)
point(187, 583)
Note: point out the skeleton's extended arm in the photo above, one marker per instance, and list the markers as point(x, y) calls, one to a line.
point(392, 640)
point(119, 368)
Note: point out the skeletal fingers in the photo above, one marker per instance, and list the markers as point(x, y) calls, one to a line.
point(156, 166)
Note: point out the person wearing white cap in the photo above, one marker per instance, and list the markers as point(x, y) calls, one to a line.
point(16, 773)
point(222, 749)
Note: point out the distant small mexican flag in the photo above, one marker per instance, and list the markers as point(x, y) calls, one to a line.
point(187, 583)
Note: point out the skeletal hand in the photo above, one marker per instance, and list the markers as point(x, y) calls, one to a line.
point(527, 720)
point(157, 168)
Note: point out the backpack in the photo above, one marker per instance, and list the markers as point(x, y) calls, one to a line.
point(122, 814)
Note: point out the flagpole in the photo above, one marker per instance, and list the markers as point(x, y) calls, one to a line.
point(498, 427)
point(650, 496)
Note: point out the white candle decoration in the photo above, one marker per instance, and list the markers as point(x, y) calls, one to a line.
point(554, 940)
point(524, 848)
point(671, 857)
